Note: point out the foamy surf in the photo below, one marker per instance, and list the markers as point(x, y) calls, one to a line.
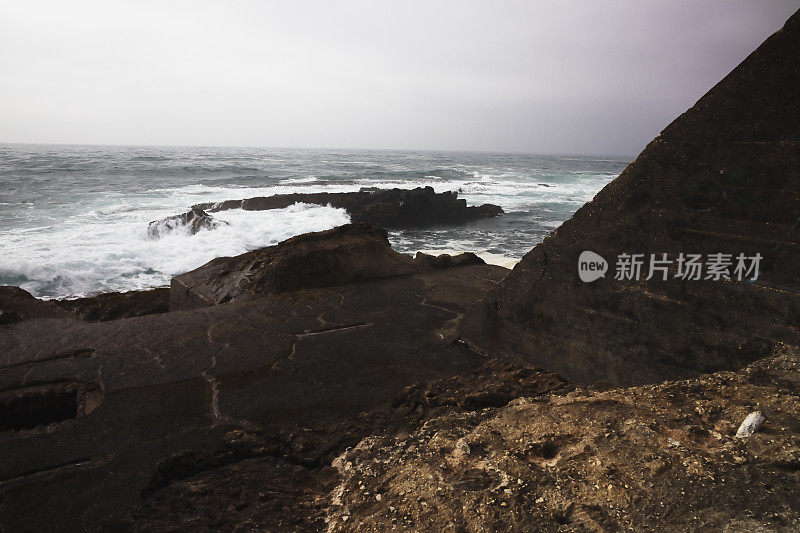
point(73, 220)
point(118, 255)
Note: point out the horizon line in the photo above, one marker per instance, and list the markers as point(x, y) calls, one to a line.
point(310, 148)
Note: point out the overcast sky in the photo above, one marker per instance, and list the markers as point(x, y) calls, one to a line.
point(592, 77)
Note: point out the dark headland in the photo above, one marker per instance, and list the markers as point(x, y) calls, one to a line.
point(331, 383)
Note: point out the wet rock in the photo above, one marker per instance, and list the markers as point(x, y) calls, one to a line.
point(724, 177)
point(192, 221)
point(386, 208)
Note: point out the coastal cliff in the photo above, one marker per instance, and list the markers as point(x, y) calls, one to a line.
point(724, 177)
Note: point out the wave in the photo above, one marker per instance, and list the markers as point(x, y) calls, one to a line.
point(116, 254)
point(293, 181)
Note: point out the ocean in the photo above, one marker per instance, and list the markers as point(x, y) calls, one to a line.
point(73, 219)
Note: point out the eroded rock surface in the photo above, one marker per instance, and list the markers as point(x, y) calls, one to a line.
point(385, 208)
point(644, 458)
point(280, 480)
point(724, 177)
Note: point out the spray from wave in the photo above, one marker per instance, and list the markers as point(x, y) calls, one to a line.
point(118, 254)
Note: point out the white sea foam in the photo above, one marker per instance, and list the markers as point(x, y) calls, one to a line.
point(114, 253)
point(290, 181)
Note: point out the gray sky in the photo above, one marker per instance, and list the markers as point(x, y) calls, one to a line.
point(590, 76)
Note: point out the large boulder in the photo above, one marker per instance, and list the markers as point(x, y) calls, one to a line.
point(347, 254)
point(386, 208)
point(192, 221)
point(724, 177)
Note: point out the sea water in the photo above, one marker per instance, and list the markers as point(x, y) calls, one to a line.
point(73, 219)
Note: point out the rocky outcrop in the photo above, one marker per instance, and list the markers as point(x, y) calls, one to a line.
point(93, 407)
point(347, 254)
point(192, 221)
point(116, 305)
point(281, 480)
point(722, 178)
point(508, 447)
point(385, 208)
point(660, 457)
point(447, 260)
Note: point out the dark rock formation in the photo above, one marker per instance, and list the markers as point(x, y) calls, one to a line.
point(17, 304)
point(194, 220)
point(722, 178)
point(385, 208)
point(347, 254)
point(116, 305)
point(111, 400)
point(447, 260)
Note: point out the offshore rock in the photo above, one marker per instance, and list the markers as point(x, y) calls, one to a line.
point(192, 221)
point(386, 208)
point(447, 260)
point(724, 177)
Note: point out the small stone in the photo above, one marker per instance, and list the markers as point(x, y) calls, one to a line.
point(751, 424)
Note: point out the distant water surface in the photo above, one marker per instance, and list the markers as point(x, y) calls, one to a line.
point(73, 219)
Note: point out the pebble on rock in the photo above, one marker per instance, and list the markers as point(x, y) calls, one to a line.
point(751, 424)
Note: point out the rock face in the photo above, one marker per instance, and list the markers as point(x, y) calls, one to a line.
point(89, 409)
point(347, 254)
point(724, 177)
point(385, 208)
point(192, 221)
point(116, 305)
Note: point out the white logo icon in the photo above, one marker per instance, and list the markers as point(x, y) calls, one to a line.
point(591, 266)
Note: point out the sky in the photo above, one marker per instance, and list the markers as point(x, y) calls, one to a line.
point(576, 77)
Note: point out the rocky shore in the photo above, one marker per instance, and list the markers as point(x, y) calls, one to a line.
point(330, 383)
